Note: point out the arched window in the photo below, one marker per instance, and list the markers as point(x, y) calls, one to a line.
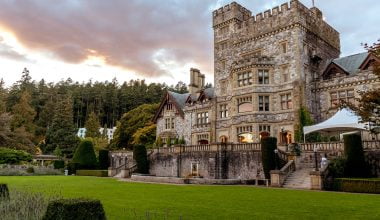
point(223, 139)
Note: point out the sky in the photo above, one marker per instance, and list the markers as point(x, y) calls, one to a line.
point(158, 41)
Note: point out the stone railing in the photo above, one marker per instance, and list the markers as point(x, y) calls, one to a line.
point(246, 146)
point(322, 146)
point(371, 145)
point(278, 177)
point(209, 148)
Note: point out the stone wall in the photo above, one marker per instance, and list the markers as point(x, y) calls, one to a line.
point(373, 159)
point(212, 165)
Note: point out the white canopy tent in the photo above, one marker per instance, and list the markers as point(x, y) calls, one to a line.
point(343, 121)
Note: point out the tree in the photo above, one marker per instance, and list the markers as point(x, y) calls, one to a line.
point(268, 145)
point(92, 126)
point(368, 107)
point(85, 155)
point(145, 136)
point(304, 120)
point(130, 123)
point(140, 155)
point(17, 139)
point(23, 114)
point(104, 160)
point(62, 132)
point(355, 160)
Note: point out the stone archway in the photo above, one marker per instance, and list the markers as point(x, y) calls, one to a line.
point(223, 139)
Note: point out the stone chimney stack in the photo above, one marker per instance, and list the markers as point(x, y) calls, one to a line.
point(197, 81)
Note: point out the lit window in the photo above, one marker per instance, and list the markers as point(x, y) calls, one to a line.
point(244, 134)
point(264, 103)
point(263, 76)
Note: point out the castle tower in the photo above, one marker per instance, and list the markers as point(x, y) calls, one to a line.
point(265, 66)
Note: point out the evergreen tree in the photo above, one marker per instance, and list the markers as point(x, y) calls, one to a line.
point(23, 114)
point(92, 126)
point(3, 95)
point(85, 155)
point(62, 132)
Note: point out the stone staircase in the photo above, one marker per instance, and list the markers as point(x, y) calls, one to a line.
point(299, 179)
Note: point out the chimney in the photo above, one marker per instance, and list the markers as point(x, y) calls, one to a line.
point(197, 81)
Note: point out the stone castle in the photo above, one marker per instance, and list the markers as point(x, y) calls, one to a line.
point(266, 67)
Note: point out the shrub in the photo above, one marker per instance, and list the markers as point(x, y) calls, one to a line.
point(25, 205)
point(182, 141)
point(59, 164)
point(30, 170)
point(140, 155)
point(336, 167)
point(268, 145)
point(355, 162)
point(168, 142)
point(104, 160)
point(99, 173)
point(4, 192)
point(11, 156)
point(85, 155)
point(72, 167)
point(75, 209)
point(357, 185)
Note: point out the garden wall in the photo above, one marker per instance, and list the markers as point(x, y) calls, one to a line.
point(212, 165)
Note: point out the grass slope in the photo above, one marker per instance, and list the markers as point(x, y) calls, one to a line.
point(123, 199)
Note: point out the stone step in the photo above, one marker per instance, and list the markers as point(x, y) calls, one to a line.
point(299, 179)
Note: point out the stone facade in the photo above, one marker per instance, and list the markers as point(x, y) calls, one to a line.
point(266, 66)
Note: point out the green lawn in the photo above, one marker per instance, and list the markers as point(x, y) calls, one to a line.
point(122, 199)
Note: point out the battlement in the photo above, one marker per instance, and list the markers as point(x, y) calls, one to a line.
point(284, 15)
point(229, 12)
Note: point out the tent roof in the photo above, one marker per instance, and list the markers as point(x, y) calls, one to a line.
point(343, 120)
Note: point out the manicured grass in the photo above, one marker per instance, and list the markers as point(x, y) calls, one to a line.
point(121, 199)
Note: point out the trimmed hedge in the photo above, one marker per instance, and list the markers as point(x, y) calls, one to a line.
point(357, 185)
point(268, 145)
point(4, 192)
point(59, 164)
point(355, 161)
point(85, 155)
point(11, 156)
point(99, 173)
point(72, 167)
point(140, 155)
point(78, 209)
point(104, 160)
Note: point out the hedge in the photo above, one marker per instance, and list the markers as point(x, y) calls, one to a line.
point(4, 192)
point(72, 167)
point(59, 164)
point(140, 155)
point(268, 145)
point(104, 160)
point(78, 209)
point(85, 155)
point(99, 173)
point(11, 156)
point(357, 185)
point(355, 163)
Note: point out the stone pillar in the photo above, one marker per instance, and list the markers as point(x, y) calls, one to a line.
point(275, 178)
point(316, 180)
point(111, 172)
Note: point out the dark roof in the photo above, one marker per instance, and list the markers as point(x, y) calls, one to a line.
point(180, 99)
point(209, 92)
point(351, 63)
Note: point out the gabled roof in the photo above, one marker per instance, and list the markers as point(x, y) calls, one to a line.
point(350, 65)
point(177, 99)
point(206, 93)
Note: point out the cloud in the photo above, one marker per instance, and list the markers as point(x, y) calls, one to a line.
point(9, 52)
point(126, 33)
point(143, 36)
